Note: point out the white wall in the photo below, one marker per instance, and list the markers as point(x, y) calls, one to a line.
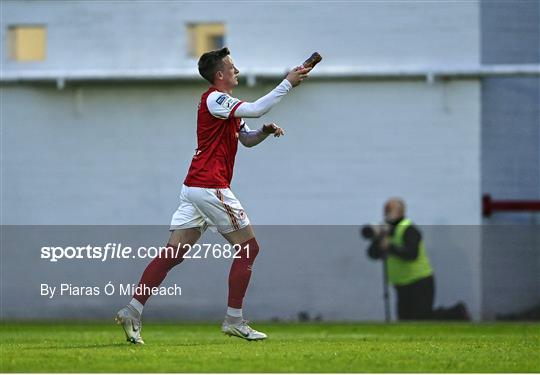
point(151, 34)
point(115, 154)
point(118, 154)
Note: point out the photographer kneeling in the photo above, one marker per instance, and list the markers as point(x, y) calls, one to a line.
point(399, 242)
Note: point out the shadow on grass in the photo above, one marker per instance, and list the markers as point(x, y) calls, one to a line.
point(89, 346)
point(125, 345)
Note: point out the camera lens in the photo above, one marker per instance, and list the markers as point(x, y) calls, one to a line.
point(368, 232)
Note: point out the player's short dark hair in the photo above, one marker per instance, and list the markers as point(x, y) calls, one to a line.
point(211, 62)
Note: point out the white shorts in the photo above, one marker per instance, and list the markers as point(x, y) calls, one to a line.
point(201, 208)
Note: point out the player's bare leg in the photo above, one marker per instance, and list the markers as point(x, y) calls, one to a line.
point(129, 317)
point(184, 236)
point(239, 276)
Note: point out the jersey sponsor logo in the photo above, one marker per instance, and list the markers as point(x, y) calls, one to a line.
point(230, 103)
point(226, 101)
point(221, 99)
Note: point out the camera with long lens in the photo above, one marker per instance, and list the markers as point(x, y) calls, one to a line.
point(374, 231)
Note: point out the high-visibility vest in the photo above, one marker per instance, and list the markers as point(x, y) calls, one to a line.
point(402, 271)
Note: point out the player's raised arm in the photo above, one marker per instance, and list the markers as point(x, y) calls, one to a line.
point(264, 104)
point(223, 105)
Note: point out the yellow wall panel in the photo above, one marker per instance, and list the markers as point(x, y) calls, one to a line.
point(202, 36)
point(27, 43)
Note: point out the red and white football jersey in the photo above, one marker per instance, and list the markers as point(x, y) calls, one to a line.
point(217, 141)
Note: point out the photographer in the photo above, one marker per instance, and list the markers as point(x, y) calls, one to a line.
point(399, 243)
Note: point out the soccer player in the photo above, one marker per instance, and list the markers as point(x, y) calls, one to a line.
point(206, 198)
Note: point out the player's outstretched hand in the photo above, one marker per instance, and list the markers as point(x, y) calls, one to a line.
point(297, 75)
point(273, 129)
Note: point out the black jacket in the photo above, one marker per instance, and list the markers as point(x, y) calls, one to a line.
point(409, 250)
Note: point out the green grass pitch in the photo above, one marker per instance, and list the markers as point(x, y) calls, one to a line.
point(322, 347)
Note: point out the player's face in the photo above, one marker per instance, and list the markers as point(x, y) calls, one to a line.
point(229, 72)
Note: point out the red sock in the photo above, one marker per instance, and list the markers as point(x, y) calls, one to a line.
point(241, 272)
point(156, 271)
